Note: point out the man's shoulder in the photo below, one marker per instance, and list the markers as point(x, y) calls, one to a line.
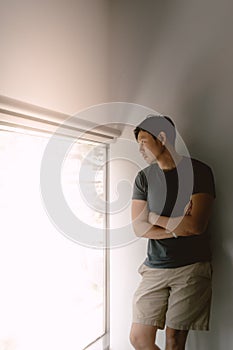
point(198, 164)
point(203, 178)
point(152, 167)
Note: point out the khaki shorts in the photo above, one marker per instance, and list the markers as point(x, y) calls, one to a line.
point(178, 297)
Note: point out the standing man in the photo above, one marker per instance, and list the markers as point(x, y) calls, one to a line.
point(171, 206)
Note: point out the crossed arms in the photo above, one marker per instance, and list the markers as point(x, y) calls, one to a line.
point(194, 222)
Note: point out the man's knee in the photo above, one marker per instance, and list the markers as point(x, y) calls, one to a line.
point(138, 340)
point(172, 342)
point(175, 339)
point(142, 337)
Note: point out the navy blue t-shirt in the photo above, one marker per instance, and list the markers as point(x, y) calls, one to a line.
point(167, 193)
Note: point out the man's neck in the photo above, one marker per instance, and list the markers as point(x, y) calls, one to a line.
point(169, 160)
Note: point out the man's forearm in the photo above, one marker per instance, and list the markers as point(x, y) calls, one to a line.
point(194, 220)
point(147, 230)
point(157, 232)
point(182, 226)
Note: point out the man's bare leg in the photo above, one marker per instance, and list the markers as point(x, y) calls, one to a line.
point(142, 337)
point(175, 339)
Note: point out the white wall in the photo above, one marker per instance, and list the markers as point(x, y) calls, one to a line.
point(54, 52)
point(173, 56)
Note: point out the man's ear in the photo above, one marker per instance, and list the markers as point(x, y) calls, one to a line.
point(162, 137)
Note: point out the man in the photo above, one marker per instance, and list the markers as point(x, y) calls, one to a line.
point(171, 206)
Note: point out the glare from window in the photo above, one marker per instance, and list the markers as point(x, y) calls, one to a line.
point(52, 290)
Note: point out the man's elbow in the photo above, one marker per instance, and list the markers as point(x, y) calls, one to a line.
point(140, 228)
point(137, 230)
point(198, 228)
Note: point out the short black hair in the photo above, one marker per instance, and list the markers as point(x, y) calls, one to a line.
point(155, 124)
point(138, 129)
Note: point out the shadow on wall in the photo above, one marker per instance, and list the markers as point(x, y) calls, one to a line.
point(220, 335)
point(136, 30)
point(208, 131)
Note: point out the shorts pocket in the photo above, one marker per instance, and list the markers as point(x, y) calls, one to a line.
point(141, 268)
point(204, 269)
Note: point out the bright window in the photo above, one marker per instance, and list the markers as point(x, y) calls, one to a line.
point(52, 293)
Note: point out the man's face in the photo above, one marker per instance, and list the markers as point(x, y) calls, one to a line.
point(148, 147)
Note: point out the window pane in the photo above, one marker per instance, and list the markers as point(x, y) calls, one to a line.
point(52, 289)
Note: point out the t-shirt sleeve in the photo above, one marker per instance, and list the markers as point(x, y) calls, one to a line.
point(203, 180)
point(140, 187)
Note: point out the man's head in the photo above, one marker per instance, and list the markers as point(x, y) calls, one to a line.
point(155, 124)
point(155, 134)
